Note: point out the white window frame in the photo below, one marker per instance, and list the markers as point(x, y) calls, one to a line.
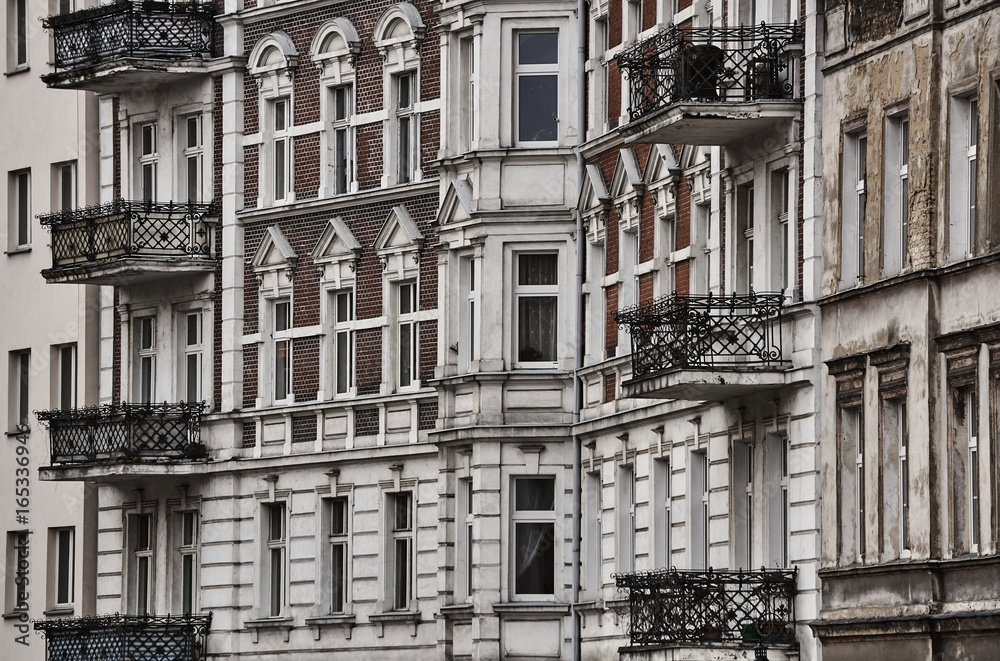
point(342, 139)
point(336, 542)
point(973, 488)
point(779, 503)
point(895, 212)
point(193, 354)
point(144, 353)
point(274, 581)
point(63, 549)
point(400, 550)
point(468, 80)
point(19, 226)
point(856, 419)
point(746, 214)
point(698, 531)
point(964, 176)
point(279, 145)
point(344, 334)
point(64, 376)
point(546, 517)
point(142, 550)
point(594, 533)
point(781, 270)
point(407, 363)
point(191, 169)
point(625, 530)
point(468, 317)
point(147, 161)
point(903, 445)
point(18, 51)
point(186, 581)
point(465, 569)
point(64, 191)
point(662, 520)
point(525, 291)
point(281, 325)
point(20, 388)
point(743, 503)
point(534, 70)
point(853, 211)
point(406, 125)
point(335, 50)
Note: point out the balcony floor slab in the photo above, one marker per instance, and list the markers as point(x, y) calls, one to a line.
point(710, 123)
point(125, 75)
point(705, 384)
point(127, 271)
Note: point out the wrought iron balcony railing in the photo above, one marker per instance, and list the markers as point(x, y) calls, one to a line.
point(126, 637)
point(125, 432)
point(127, 29)
point(120, 229)
point(695, 607)
point(704, 331)
point(719, 65)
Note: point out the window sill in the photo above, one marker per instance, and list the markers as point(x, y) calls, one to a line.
point(17, 432)
point(21, 69)
point(283, 624)
point(16, 615)
point(395, 617)
point(344, 621)
point(58, 611)
point(459, 612)
point(18, 250)
point(532, 608)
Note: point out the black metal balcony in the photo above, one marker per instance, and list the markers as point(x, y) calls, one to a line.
point(94, 47)
point(720, 346)
point(688, 607)
point(124, 433)
point(126, 241)
point(126, 637)
point(710, 85)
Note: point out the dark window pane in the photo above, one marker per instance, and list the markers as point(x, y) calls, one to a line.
point(535, 494)
point(538, 48)
point(534, 561)
point(537, 269)
point(538, 107)
point(339, 584)
point(536, 316)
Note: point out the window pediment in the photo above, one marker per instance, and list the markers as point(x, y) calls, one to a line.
point(400, 25)
point(626, 188)
point(594, 203)
point(337, 253)
point(275, 262)
point(336, 44)
point(457, 203)
point(398, 244)
point(273, 61)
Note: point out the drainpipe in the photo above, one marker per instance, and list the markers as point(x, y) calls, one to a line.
point(581, 122)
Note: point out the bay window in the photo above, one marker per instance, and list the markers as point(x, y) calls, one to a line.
point(536, 87)
point(536, 308)
point(534, 554)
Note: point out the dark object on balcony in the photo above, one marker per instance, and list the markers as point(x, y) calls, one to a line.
point(120, 433)
point(689, 331)
point(719, 65)
point(120, 637)
point(107, 232)
point(126, 29)
point(744, 608)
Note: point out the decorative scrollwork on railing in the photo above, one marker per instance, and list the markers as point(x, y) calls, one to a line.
point(704, 331)
point(121, 637)
point(718, 65)
point(122, 228)
point(127, 29)
point(125, 432)
point(670, 606)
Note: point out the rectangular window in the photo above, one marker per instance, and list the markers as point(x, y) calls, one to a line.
point(468, 93)
point(537, 296)
point(339, 553)
point(343, 340)
point(972, 462)
point(468, 318)
point(743, 503)
point(896, 479)
point(276, 528)
point(594, 559)
point(20, 374)
point(64, 381)
point(400, 550)
point(698, 531)
point(536, 87)
point(147, 161)
point(19, 191)
point(343, 140)
point(781, 257)
point(852, 266)
point(144, 343)
point(185, 582)
point(17, 19)
point(405, 128)
point(281, 160)
point(895, 231)
point(194, 348)
point(142, 539)
point(744, 238)
point(534, 517)
point(282, 382)
point(625, 530)
point(662, 522)
point(463, 540)
point(964, 179)
point(852, 484)
point(778, 503)
point(62, 540)
point(64, 186)
point(407, 333)
point(192, 159)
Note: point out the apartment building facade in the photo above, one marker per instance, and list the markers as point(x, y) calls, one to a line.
point(909, 405)
point(48, 342)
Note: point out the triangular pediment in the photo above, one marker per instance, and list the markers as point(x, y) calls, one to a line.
point(399, 232)
point(661, 164)
point(593, 193)
point(627, 176)
point(457, 203)
point(336, 242)
point(274, 251)
point(692, 156)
